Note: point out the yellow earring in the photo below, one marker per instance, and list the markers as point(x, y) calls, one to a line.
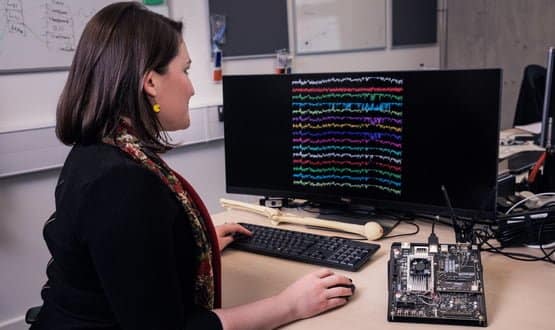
point(156, 107)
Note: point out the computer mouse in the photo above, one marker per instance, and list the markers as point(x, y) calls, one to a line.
point(352, 286)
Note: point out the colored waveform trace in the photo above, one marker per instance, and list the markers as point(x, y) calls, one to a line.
point(330, 177)
point(371, 96)
point(388, 159)
point(316, 178)
point(365, 119)
point(331, 155)
point(348, 90)
point(346, 141)
point(335, 80)
point(379, 158)
point(386, 123)
point(347, 185)
point(369, 158)
point(302, 147)
point(333, 169)
point(343, 107)
point(339, 136)
point(347, 125)
point(388, 166)
point(360, 163)
point(343, 111)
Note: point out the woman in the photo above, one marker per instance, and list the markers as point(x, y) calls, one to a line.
point(133, 246)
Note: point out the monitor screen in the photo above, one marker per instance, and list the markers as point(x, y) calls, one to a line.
point(547, 138)
point(385, 139)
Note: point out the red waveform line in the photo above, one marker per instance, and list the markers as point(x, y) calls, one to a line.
point(347, 89)
point(389, 166)
point(329, 162)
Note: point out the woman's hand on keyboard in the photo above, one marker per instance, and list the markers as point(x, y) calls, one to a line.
point(226, 233)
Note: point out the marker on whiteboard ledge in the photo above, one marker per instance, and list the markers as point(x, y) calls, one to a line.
point(283, 65)
point(217, 72)
point(422, 66)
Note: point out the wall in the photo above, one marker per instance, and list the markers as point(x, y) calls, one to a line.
point(29, 100)
point(195, 13)
point(509, 34)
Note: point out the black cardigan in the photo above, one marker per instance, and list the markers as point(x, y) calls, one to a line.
point(122, 247)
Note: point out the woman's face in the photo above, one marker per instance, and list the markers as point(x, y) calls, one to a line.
point(173, 91)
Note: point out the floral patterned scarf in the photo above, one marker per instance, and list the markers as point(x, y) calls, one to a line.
point(207, 288)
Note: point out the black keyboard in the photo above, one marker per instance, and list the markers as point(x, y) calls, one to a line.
point(334, 252)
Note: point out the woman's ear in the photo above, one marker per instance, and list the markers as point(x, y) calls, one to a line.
point(149, 83)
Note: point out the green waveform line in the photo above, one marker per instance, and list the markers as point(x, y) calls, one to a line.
point(348, 185)
point(334, 169)
point(387, 173)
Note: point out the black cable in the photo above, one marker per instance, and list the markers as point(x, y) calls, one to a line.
point(484, 237)
point(529, 212)
point(406, 234)
point(513, 235)
point(524, 229)
point(516, 255)
point(438, 219)
point(540, 234)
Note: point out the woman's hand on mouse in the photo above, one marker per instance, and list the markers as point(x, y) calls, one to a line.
point(317, 292)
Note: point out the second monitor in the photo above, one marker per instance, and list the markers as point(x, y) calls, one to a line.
point(388, 139)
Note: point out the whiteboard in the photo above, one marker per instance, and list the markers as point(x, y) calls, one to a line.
point(42, 34)
point(339, 25)
point(39, 149)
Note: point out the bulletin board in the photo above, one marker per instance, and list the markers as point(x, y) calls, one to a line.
point(253, 27)
point(414, 22)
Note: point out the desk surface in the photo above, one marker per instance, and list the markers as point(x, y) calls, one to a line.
point(519, 295)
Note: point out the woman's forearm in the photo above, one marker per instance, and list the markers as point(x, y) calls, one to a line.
point(310, 295)
point(267, 313)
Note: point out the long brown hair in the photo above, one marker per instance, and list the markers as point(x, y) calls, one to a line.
point(119, 45)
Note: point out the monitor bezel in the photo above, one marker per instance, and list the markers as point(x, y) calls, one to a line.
point(546, 136)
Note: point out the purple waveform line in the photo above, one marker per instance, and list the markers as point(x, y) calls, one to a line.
point(346, 140)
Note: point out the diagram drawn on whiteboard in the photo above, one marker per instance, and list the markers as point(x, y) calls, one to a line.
point(42, 34)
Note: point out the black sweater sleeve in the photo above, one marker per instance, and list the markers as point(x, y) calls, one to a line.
point(128, 228)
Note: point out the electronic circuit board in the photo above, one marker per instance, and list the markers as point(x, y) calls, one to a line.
point(436, 284)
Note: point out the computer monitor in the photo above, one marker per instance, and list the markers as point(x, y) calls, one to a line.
point(385, 139)
point(547, 136)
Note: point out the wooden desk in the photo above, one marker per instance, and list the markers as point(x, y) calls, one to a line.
point(519, 295)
